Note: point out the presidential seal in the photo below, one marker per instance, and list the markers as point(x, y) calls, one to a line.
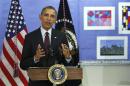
point(57, 74)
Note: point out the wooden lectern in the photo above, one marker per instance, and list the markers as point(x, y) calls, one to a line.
point(41, 73)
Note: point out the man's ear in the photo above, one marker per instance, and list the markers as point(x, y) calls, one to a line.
point(40, 17)
point(54, 21)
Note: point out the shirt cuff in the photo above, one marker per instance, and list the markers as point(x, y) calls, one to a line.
point(35, 60)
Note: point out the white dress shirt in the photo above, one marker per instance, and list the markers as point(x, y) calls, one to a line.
point(43, 31)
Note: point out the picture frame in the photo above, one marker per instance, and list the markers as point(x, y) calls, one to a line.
point(124, 17)
point(112, 47)
point(99, 18)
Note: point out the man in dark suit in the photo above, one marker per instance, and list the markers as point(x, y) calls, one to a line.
point(38, 53)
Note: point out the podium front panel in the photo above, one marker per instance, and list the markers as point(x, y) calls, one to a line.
point(39, 73)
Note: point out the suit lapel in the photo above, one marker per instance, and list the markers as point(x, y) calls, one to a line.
point(39, 38)
point(53, 39)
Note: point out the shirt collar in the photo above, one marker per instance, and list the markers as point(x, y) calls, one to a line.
point(43, 31)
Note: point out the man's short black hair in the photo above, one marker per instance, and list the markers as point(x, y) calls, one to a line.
point(48, 7)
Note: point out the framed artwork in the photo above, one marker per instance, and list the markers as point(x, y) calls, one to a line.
point(124, 17)
point(112, 47)
point(99, 18)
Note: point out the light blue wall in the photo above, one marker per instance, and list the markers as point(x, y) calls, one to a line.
point(86, 39)
point(4, 11)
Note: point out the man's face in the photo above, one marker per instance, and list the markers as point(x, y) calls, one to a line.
point(48, 18)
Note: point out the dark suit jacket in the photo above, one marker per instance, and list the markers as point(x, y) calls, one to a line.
point(30, 45)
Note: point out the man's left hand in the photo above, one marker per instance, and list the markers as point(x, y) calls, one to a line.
point(65, 50)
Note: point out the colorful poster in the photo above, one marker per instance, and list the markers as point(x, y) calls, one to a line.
point(124, 17)
point(99, 18)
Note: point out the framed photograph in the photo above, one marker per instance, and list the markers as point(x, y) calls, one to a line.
point(112, 47)
point(124, 17)
point(99, 18)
